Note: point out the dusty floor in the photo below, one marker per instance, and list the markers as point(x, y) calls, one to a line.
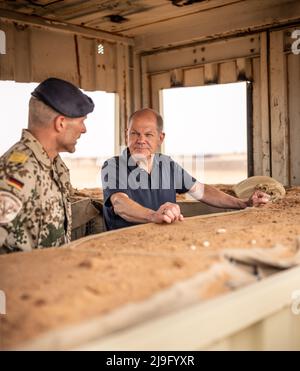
point(51, 288)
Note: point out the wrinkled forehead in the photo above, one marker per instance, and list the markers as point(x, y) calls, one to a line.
point(143, 122)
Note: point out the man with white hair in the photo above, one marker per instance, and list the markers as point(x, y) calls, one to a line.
point(35, 209)
point(140, 186)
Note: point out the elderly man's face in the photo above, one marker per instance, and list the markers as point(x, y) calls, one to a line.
point(143, 138)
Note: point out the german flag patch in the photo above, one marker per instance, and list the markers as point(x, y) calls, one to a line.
point(15, 183)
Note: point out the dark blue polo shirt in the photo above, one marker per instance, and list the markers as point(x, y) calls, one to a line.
point(122, 174)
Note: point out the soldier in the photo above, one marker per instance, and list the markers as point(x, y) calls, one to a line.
point(35, 209)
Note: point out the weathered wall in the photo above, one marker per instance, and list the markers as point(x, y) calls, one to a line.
point(242, 41)
point(217, 21)
point(265, 59)
point(34, 54)
point(290, 77)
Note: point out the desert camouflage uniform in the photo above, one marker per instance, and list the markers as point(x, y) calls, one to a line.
point(35, 209)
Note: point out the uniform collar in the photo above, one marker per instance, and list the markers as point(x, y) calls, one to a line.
point(39, 152)
point(59, 168)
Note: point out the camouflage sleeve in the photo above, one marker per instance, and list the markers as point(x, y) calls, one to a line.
point(10, 206)
point(17, 184)
point(3, 235)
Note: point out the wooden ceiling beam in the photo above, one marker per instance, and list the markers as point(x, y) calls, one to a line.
point(36, 21)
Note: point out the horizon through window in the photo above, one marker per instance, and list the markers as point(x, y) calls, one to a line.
point(92, 149)
point(206, 131)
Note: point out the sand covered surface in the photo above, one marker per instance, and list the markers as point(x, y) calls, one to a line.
point(52, 288)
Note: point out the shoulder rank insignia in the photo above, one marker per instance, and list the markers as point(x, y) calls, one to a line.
point(18, 157)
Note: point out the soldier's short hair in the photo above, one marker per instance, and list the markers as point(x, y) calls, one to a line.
point(141, 112)
point(39, 113)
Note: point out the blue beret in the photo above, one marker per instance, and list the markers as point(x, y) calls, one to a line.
point(64, 97)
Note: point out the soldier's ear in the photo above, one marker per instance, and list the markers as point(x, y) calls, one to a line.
point(59, 123)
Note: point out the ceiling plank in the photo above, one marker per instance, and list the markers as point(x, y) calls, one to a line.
point(250, 16)
point(64, 27)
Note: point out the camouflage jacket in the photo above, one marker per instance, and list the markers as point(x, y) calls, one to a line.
point(35, 208)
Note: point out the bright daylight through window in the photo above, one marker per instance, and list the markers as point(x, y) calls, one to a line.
point(206, 131)
point(92, 149)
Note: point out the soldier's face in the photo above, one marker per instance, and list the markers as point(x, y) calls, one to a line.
point(73, 130)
